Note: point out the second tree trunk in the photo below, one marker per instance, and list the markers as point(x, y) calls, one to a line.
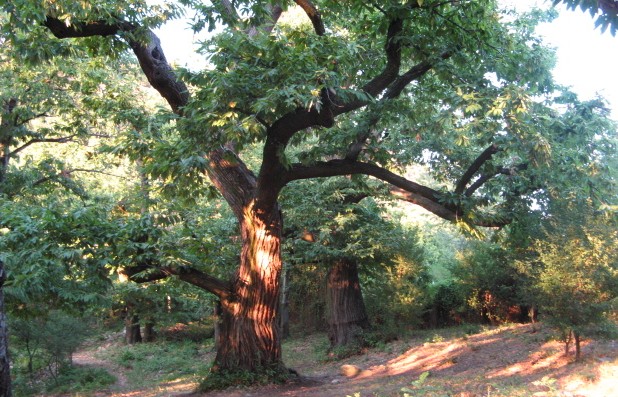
point(347, 317)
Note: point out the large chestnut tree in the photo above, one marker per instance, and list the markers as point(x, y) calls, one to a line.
point(366, 88)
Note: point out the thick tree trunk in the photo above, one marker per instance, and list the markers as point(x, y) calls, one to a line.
point(5, 367)
point(249, 335)
point(347, 317)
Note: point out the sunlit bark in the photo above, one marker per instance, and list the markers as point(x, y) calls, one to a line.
point(249, 332)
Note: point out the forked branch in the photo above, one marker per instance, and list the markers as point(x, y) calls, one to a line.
point(474, 167)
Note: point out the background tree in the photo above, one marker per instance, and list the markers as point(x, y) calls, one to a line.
point(489, 283)
point(332, 225)
point(578, 280)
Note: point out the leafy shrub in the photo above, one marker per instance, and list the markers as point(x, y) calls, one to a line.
point(81, 379)
point(42, 350)
point(48, 343)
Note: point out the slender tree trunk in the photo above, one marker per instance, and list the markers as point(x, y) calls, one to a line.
point(249, 335)
point(578, 349)
point(284, 317)
point(567, 342)
point(218, 311)
point(347, 317)
point(5, 367)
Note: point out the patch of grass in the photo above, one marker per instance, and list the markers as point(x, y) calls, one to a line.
point(81, 379)
point(341, 352)
point(220, 379)
point(163, 361)
point(193, 331)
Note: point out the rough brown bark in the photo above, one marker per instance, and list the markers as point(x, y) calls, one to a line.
point(132, 330)
point(5, 367)
point(249, 335)
point(347, 317)
point(149, 332)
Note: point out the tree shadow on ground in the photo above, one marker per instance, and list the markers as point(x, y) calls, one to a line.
point(503, 361)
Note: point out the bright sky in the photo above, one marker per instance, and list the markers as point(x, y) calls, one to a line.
point(587, 59)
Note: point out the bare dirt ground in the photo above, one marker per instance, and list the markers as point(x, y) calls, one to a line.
point(518, 360)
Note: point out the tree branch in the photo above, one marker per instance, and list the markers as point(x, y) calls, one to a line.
point(344, 167)
point(85, 29)
point(430, 205)
point(410, 191)
point(414, 73)
point(486, 177)
point(392, 48)
point(145, 273)
point(42, 140)
point(149, 54)
point(474, 167)
point(313, 14)
point(401, 187)
point(27, 120)
point(67, 173)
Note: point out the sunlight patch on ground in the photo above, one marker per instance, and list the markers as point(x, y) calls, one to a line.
point(605, 382)
point(429, 357)
point(172, 388)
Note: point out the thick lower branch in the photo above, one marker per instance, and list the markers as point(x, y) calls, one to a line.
point(343, 167)
point(145, 273)
point(85, 29)
point(403, 188)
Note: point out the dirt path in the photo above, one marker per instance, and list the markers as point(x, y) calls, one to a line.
point(517, 360)
point(87, 358)
point(123, 388)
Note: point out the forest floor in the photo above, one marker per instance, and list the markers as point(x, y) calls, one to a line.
point(507, 361)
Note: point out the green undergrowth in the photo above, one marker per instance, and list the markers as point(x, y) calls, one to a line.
point(220, 379)
point(72, 380)
point(82, 380)
point(162, 361)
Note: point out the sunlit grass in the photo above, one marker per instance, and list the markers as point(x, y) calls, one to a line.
point(160, 362)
